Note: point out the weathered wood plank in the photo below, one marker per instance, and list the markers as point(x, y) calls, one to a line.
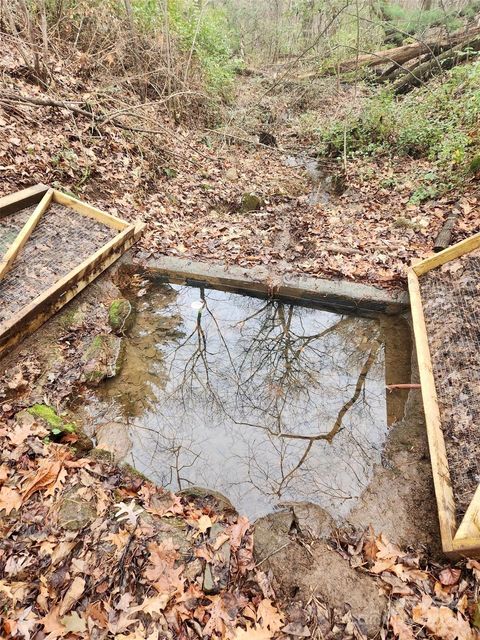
point(436, 442)
point(22, 199)
point(25, 233)
point(470, 525)
point(89, 211)
point(451, 253)
point(466, 548)
point(48, 303)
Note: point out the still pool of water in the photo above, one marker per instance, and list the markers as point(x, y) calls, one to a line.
point(264, 401)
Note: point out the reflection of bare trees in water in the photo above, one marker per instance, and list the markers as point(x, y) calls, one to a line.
point(266, 372)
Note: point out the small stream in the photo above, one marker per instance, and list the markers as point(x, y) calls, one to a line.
point(263, 401)
point(325, 177)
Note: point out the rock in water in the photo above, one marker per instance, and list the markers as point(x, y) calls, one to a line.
point(121, 315)
point(114, 437)
point(102, 358)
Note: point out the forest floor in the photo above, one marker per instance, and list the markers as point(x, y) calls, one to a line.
point(187, 183)
point(91, 550)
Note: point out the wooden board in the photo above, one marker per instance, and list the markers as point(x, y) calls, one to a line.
point(463, 541)
point(436, 442)
point(447, 255)
point(25, 233)
point(34, 314)
point(89, 211)
point(22, 199)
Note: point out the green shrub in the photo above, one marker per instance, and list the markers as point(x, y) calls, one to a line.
point(438, 122)
point(417, 21)
point(202, 31)
point(208, 34)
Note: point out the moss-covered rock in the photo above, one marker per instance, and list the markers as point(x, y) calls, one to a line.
point(102, 455)
point(251, 202)
point(121, 315)
point(102, 358)
point(73, 316)
point(74, 512)
point(475, 164)
point(55, 423)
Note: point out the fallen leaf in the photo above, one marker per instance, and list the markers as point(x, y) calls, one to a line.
point(128, 512)
point(45, 477)
point(237, 531)
point(74, 623)
point(441, 621)
point(269, 616)
point(400, 628)
point(52, 624)
point(72, 595)
point(449, 576)
point(10, 499)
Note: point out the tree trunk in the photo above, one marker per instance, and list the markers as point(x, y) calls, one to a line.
point(401, 55)
point(446, 60)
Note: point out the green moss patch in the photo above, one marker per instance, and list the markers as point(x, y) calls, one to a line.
point(55, 423)
point(120, 315)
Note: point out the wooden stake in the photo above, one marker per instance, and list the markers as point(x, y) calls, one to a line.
point(442, 241)
point(436, 442)
point(25, 233)
point(33, 315)
point(89, 211)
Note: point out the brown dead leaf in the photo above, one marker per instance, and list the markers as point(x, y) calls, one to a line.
point(370, 548)
point(269, 616)
point(44, 477)
point(10, 499)
point(383, 565)
point(222, 615)
point(52, 624)
point(73, 594)
point(400, 628)
point(474, 565)
point(19, 434)
point(387, 550)
point(449, 576)
point(237, 531)
point(96, 612)
point(162, 555)
point(441, 621)
point(74, 623)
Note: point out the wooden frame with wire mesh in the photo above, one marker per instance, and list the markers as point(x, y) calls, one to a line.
point(54, 297)
point(462, 539)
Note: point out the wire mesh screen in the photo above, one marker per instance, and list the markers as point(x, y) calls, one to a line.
point(10, 227)
point(62, 240)
point(451, 304)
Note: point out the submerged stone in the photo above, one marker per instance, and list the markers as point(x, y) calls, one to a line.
point(121, 315)
point(113, 437)
point(102, 358)
point(222, 503)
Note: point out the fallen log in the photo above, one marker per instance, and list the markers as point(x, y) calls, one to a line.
point(443, 239)
point(401, 55)
point(446, 60)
